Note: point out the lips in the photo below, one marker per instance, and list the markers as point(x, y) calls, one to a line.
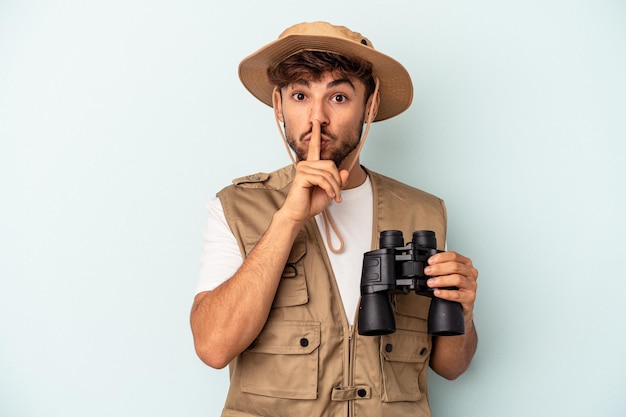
point(323, 141)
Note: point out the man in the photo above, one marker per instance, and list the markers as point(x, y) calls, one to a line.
point(279, 285)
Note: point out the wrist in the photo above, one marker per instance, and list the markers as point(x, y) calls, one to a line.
point(286, 222)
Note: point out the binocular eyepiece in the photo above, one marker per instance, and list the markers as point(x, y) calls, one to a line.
point(397, 268)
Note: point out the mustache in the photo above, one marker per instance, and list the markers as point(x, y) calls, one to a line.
point(323, 131)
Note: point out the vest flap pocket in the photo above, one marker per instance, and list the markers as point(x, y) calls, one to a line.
point(405, 346)
point(404, 355)
point(292, 290)
point(283, 361)
point(287, 338)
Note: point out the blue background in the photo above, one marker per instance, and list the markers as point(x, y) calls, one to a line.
point(119, 119)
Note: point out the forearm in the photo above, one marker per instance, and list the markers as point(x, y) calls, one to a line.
point(452, 355)
point(226, 320)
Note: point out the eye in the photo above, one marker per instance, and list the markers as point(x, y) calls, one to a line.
point(339, 98)
point(298, 96)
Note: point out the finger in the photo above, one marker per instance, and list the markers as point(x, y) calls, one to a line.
point(453, 281)
point(449, 256)
point(315, 142)
point(325, 176)
point(451, 269)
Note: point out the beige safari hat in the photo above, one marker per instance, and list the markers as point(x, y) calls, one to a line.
point(396, 88)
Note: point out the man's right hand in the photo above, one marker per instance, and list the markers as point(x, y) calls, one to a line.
point(316, 183)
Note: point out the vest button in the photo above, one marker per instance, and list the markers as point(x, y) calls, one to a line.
point(423, 351)
point(361, 393)
point(304, 342)
point(389, 347)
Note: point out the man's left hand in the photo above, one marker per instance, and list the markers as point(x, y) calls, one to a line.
point(450, 269)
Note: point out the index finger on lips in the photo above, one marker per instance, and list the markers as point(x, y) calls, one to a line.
point(315, 142)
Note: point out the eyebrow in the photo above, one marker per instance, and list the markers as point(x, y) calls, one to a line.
point(335, 83)
point(331, 84)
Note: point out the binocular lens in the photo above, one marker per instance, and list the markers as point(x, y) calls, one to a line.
point(375, 315)
point(390, 239)
point(425, 239)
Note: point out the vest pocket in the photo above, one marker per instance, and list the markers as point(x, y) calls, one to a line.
point(283, 361)
point(403, 356)
point(292, 289)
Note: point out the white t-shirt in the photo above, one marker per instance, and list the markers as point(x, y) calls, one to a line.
point(353, 217)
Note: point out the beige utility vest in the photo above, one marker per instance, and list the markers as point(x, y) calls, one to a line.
point(307, 360)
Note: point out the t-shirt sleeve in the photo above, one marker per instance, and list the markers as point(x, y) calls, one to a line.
point(220, 256)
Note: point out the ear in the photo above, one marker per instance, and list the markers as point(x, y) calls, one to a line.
point(372, 105)
point(277, 101)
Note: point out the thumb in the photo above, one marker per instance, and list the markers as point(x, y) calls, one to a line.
point(344, 174)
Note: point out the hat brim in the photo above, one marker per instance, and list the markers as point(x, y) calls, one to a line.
point(396, 88)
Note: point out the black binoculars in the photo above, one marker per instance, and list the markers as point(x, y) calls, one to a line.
point(397, 268)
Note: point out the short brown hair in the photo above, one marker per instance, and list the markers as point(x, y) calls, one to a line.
point(311, 65)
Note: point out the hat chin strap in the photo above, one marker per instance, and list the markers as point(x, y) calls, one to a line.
point(329, 223)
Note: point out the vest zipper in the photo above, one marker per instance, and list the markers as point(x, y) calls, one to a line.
point(351, 358)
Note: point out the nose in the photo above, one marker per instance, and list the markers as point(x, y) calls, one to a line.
point(318, 113)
